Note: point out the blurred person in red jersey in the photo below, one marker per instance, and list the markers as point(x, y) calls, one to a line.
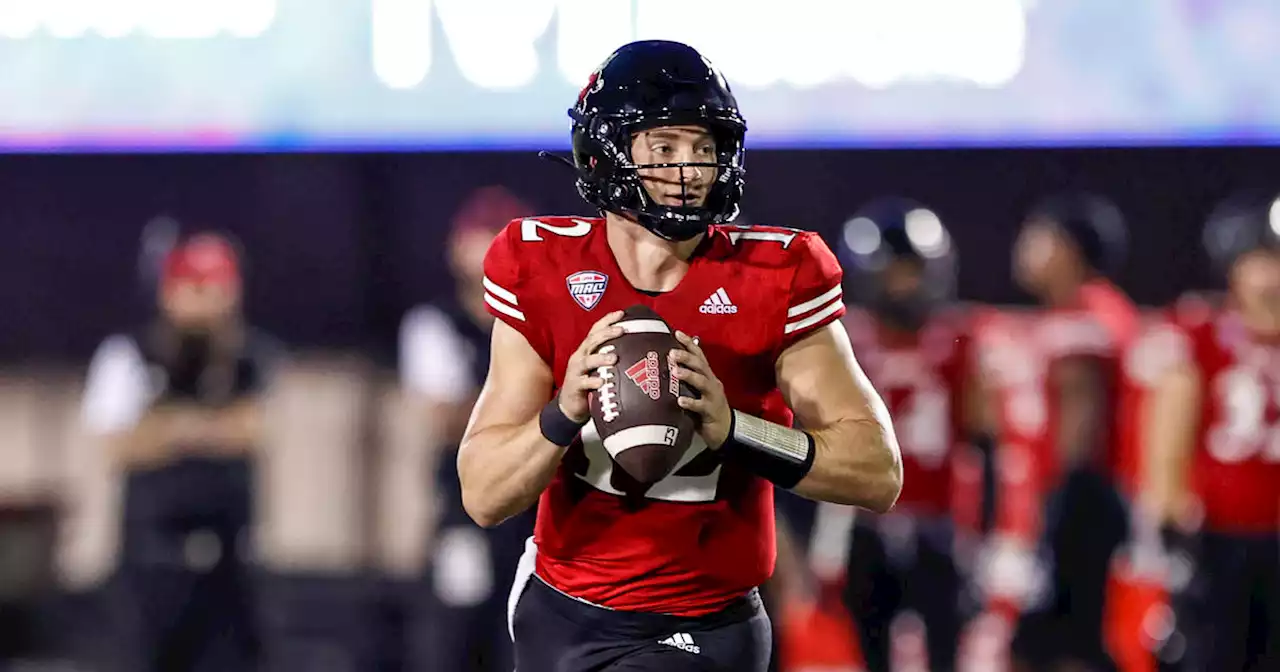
point(457, 620)
point(627, 575)
point(900, 568)
point(1070, 414)
point(1212, 484)
point(179, 403)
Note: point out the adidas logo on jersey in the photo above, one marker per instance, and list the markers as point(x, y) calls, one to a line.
point(682, 641)
point(718, 304)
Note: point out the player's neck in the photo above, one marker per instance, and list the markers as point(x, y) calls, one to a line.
point(1064, 292)
point(648, 262)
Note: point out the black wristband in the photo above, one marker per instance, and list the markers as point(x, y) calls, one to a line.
point(780, 454)
point(557, 427)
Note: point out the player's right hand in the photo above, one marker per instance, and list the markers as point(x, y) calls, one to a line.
point(579, 373)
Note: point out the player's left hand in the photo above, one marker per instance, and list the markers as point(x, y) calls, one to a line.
point(712, 406)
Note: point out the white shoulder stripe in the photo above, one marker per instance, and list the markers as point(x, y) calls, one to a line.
point(801, 309)
point(814, 318)
point(777, 236)
point(502, 307)
point(500, 292)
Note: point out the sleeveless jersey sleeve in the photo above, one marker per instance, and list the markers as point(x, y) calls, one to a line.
point(509, 291)
point(815, 298)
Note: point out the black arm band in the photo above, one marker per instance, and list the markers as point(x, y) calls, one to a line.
point(556, 426)
point(780, 454)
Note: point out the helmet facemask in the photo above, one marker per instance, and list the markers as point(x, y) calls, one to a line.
point(612, 180)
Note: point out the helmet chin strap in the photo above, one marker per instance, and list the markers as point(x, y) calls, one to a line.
point(673, 229)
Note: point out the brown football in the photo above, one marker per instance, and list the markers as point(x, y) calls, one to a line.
point(635, 412)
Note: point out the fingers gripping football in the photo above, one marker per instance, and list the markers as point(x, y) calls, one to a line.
point(579, 378)
point(711, 405)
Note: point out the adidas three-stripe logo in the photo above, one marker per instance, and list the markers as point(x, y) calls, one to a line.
point(718, 304)
point(682, 641)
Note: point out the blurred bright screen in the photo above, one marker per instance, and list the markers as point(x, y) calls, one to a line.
point(472, 74)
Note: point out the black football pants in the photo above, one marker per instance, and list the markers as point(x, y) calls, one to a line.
point(557, 633)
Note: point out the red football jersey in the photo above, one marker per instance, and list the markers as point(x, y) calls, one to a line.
point(1013, 373)
point(1103, 325)
point(921, 378)
point(704, 535)
point(1236, 467)
point(1017, 351)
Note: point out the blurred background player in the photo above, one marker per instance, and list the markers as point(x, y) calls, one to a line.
point(179, 403)
point(1213, 442)
point(901, 265)
point(457, 620)
point(1067, 245)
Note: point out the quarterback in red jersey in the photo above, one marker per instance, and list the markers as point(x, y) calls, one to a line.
point(915, 349)
point(1066, 245)
point(1213, 477)
point(668, 580)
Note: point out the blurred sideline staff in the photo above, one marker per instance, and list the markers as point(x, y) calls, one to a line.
point(178, 403)
point(456, 622)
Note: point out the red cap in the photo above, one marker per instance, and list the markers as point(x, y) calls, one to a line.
point(488, 209)
point(205, 258)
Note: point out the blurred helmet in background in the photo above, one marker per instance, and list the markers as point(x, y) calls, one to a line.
point(1242, 223)
point(899, 260)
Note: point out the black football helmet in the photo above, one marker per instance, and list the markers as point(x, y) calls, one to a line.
point(1242, 223)
point(640, 86)
point(1093, 222)
point(895, 228)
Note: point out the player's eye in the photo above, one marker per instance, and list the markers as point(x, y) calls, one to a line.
point(707, 150)
point(661, 149)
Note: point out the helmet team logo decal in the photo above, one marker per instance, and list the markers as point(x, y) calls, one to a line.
point(594, 84)
point(644, 374)
point(587, 287)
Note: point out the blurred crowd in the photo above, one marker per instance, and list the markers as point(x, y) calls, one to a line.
point(198, 497)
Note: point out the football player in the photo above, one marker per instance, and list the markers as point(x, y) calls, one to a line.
point(901, 264)
point(1213, 440)
point(667, 580)
point(1075, 397)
